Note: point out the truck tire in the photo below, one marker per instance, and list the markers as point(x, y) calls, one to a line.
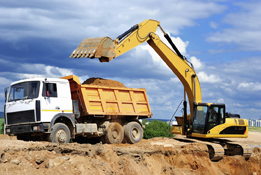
point(133, 132)
point(60, 133)
point(115, 133)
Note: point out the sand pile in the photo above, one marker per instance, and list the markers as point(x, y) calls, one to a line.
point(153, 156)
point(103, 82)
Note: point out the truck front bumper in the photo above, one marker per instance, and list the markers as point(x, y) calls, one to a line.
point(25, 128)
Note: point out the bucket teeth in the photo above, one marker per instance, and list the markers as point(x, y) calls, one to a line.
point(101, 47)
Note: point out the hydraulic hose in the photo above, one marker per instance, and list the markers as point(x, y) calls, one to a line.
point(128, 32)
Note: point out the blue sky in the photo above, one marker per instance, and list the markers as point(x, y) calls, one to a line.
point(221, 38)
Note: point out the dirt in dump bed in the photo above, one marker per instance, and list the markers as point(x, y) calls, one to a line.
point(103, 82)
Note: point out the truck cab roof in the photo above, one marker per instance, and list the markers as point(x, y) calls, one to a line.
point(41, 79)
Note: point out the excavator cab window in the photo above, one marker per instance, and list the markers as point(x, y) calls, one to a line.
point(206, 117)
point(216, 116)
point(199, 119)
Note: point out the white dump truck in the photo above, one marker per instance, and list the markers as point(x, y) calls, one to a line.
point(61, 109)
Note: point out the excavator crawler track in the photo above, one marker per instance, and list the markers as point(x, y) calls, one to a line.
point(217, 148)
point(234, 148)
point(216, 151)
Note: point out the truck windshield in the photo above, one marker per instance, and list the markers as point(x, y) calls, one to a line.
point(25, 90)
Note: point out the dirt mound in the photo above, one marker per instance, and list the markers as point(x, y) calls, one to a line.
point(153, 156)
point(103, 82)
point(6, 137)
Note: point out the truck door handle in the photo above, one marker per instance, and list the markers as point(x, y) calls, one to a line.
point(57, 107)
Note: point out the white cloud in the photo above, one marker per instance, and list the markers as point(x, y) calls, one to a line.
point(180, 44)
point(213, 25)
point(149, 84)
point(4, 82)
point(27, 70)
point(27, 19)
point(215, 51)
point(196, 63)
point(250, 86)
point(83, 78)
point(157, 61)
point(238, 105)
point(204, 77)
point(221, 100)
point(46, 71)
point(174, 79)
point(245, 27)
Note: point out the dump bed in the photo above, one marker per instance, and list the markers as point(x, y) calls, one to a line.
point(102, 100)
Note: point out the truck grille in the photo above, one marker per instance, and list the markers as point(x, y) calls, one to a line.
point(20, 117)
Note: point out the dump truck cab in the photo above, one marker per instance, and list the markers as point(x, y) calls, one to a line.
point(61, 109)
point(33, 105)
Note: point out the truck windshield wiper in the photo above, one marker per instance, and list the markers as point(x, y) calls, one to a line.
point(24, 98)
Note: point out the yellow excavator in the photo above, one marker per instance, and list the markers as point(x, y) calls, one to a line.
point(206, 121)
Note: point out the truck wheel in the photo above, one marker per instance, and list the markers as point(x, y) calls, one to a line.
point(115, 133)
point(60, 133)
point(133, 132)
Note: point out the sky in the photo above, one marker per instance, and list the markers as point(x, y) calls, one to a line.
point(221, 38)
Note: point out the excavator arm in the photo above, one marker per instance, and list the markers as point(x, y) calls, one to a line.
point(208, 120)
point(107, 49)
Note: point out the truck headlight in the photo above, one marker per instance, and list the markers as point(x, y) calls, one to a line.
point(8, 130)
point(36, 128)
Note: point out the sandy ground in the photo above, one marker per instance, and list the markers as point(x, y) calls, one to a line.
point(153, 156)
point(254, 138)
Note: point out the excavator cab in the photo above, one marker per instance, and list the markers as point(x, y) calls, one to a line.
point(210, 121)
point(207, 117)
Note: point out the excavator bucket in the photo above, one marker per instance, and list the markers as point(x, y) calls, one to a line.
point(100, 47)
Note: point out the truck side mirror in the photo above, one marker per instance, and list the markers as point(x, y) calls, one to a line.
point(6, 94)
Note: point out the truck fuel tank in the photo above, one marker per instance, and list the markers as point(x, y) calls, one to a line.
point(86, 128)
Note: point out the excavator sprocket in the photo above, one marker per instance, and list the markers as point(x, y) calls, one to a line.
point(100, 47)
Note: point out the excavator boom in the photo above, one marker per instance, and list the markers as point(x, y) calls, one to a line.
point(206, 120)
point(107, 49)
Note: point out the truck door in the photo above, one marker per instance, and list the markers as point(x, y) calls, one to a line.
point(50, 103)
point(56, 98)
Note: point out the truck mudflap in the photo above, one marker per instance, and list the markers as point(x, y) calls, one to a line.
point(25, 128)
